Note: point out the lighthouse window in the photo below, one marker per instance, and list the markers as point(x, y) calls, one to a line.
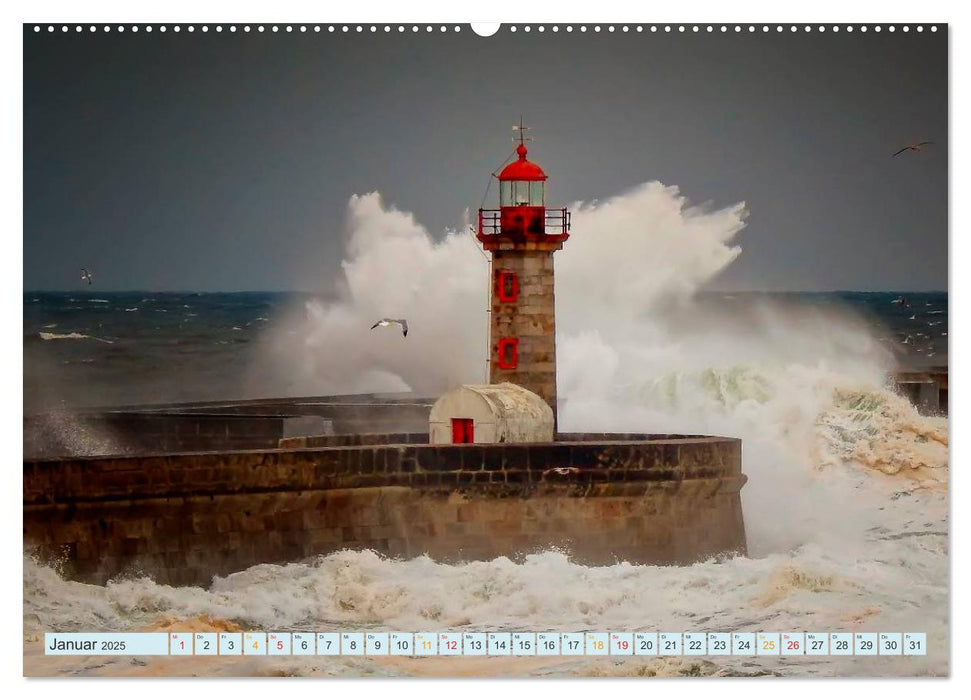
point(505, 193)
point(520, 192)
point(536, 193)
point(508, 353)
point(507, 286)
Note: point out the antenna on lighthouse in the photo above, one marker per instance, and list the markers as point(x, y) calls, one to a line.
point(522, 137)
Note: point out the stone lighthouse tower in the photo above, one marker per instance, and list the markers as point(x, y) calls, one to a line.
point(522, 236)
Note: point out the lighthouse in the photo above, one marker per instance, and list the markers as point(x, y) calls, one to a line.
point(522, 235)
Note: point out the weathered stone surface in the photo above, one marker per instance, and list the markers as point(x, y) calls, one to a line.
point(183, 519)
point(531, 320)
point(241, 425)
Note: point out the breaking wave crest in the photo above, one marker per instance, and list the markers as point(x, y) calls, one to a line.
point(71, 336)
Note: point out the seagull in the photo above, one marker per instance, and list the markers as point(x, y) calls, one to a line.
point(912, 147)
point(388, 321)
point(563, 471)
point(85, 275)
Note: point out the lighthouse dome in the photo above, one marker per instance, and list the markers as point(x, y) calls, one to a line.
point(522, 169)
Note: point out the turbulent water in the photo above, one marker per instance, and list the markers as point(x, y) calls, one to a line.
point(846, 504)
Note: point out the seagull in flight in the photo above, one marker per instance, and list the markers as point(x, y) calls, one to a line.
point(912, 147)
point(86, 275)
point(388, 321)
point(562, 471)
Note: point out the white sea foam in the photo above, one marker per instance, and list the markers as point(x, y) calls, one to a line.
point(71, 336)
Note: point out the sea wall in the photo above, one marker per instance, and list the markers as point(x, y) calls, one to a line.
point(242, 425)
point(127, 433)
point(354, 440)
point(925, 388)
point(183, 519)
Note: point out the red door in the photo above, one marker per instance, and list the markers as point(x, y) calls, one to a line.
point(462, 431)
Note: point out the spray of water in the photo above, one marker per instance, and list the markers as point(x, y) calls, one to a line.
point(393, 268)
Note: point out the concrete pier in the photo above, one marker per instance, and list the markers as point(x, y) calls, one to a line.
point(926, 388)
point(184, 518)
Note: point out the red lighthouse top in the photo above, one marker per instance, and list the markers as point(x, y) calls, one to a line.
point(522, 169)
point(523, 217)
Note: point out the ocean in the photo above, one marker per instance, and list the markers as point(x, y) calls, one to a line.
point(125, 348)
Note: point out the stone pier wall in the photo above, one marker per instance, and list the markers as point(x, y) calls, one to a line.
point(184, 518)
point(248, 425)
point(926, 389)
point(354, 440)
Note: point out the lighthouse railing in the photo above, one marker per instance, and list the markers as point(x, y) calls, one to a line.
point(555, 222)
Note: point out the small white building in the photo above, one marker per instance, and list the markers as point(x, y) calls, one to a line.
point(489, 413)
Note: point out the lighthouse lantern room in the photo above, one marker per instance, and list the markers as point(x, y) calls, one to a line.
point(522, 236)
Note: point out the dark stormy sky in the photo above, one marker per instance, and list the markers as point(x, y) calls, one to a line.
point(225, 162)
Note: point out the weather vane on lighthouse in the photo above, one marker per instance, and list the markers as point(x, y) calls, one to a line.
point(521, 136)
point(522, 236)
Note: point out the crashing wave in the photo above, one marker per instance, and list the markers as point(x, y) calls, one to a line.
point(882, 431)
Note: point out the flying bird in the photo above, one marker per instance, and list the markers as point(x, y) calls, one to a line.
point(912, 147)
point(86, 275)
point(562, 471)
point(388, 321)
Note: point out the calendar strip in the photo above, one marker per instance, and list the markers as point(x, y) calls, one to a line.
point(418, 644)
